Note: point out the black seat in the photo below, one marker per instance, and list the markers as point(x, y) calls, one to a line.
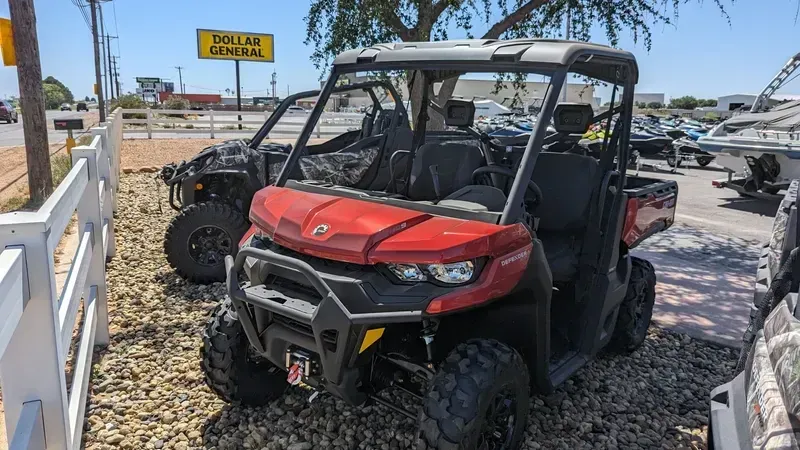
point(455, 161)
point(567, 182)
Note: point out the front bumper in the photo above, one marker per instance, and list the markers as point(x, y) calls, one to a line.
point(728, 425)
point(320, 324)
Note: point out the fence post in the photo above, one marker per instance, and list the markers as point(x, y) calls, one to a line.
point(89, 213)
point(211, 121)
point(32, 366)
point(149, 123)
point(104, 172)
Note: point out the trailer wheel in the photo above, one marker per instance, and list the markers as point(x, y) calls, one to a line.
point(636, 310)
point(671, 161)
point(703, 160)
point(199, 238)
point(479, 398)
point(230, 370)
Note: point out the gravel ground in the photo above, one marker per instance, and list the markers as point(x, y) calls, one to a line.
point(148, 392)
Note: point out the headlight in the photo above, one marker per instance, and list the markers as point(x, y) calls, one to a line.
point(452, 273)
point(407, 272)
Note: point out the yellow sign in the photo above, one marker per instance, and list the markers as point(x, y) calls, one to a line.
point(213, 44)
point(7, 43)
point(96, 90)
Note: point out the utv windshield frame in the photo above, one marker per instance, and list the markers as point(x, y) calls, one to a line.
point(602, 63)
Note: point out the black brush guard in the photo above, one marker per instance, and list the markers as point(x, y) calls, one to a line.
point(327, 318)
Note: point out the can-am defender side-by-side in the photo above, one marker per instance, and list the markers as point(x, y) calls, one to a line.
point(481, 270)
point(213, 190)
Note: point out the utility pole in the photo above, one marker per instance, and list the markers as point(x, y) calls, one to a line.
point(116, 75)
point(106, 69)
point(101, 104)
point(180, 78)
point(273, 83)
point(110, 73)
point(29, 72)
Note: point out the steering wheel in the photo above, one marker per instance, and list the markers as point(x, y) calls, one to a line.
point(484, 171)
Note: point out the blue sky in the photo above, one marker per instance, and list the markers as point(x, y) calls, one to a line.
point(701, 56)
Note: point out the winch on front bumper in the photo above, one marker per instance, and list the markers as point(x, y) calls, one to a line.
point(294, 314)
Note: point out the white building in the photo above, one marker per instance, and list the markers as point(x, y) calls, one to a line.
point(736, 101)
point(649, 98)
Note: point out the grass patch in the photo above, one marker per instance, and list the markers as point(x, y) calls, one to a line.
point(60, 165)
point(85, 139)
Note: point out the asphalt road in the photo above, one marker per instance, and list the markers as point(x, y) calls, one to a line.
point(706, 263)
point(11, 135)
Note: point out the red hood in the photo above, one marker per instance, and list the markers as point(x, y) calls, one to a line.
point(365, 232)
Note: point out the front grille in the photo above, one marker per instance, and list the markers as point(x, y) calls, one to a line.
point(293, 288)
point(329, 337)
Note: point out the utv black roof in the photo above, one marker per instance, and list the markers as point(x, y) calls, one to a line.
point(593, 60)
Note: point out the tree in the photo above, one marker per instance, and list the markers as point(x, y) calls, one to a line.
point(707, 103)
point(68, 98)
point(333, 26)
point(86, 99)
point(53, 96)
point(655, 105)
point(685, 102)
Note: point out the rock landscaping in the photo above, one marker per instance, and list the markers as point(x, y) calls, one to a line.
point(147, 391)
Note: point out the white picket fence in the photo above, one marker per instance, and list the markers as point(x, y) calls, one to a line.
point(36, 322)
point(210, 123)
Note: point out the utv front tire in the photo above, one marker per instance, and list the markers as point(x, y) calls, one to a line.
point(480, 392)
point(199, 238)
point(636, 310)
point(229, 369)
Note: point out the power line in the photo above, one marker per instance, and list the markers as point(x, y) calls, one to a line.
point(116, 27)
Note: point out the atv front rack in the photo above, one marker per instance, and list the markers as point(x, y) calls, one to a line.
point(173, 175)
point(334, 330)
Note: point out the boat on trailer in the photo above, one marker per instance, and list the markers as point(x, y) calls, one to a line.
point(763, 144)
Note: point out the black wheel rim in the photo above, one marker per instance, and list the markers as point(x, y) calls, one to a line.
point(208, 245)
point(500, 420)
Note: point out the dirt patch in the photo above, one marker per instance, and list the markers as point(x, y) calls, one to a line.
point(13, 177)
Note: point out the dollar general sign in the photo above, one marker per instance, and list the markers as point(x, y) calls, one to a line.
point(233, 45)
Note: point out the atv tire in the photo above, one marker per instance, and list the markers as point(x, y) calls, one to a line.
point(213, 224)
point(703, 160)
point(228, 368)
point(636, 310)
point(480, 391)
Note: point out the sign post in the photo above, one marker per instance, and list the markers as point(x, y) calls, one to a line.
point(236, 46)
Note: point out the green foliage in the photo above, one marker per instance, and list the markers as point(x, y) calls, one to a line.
point(712, 116)
point(53, 96)
point(60, 165)
point(707, 103)
point(655, 105)
point(130, 101)
point(65, 92)
point(86, 99)
point(685, 102)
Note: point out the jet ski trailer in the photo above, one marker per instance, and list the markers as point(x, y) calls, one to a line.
point(763, 144)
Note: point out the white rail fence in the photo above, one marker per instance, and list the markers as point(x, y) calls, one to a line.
point(36, 321)
point(210, 123)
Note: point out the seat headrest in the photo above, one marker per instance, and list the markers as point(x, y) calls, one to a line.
point(459, 113)
point(573, 118)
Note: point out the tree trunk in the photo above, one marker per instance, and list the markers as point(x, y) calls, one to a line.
point(29, 73)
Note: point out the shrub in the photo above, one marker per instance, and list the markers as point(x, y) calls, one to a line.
point(130, 101)
point(175, 102)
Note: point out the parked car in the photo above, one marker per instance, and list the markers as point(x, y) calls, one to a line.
point(81, 106)
point(66, 107)
point(8, 112)
point(295, 110)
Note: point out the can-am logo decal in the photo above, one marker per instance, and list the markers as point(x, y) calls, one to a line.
point(516, 257)
point(321, 229)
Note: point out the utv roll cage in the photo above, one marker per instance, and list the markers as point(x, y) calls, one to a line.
point(440, 60)
point(367, 86)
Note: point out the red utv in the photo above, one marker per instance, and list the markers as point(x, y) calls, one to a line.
point(481, 269)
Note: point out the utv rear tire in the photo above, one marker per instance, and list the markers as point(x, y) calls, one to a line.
point(229, 371)
point(637, 308)
point(222, 219)
point(474, 379)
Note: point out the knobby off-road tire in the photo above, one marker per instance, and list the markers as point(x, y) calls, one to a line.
point(219, 218)
point(456, 409)
point(227, 364)
point(637, 308)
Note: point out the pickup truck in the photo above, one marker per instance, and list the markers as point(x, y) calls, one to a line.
point(760, 407)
